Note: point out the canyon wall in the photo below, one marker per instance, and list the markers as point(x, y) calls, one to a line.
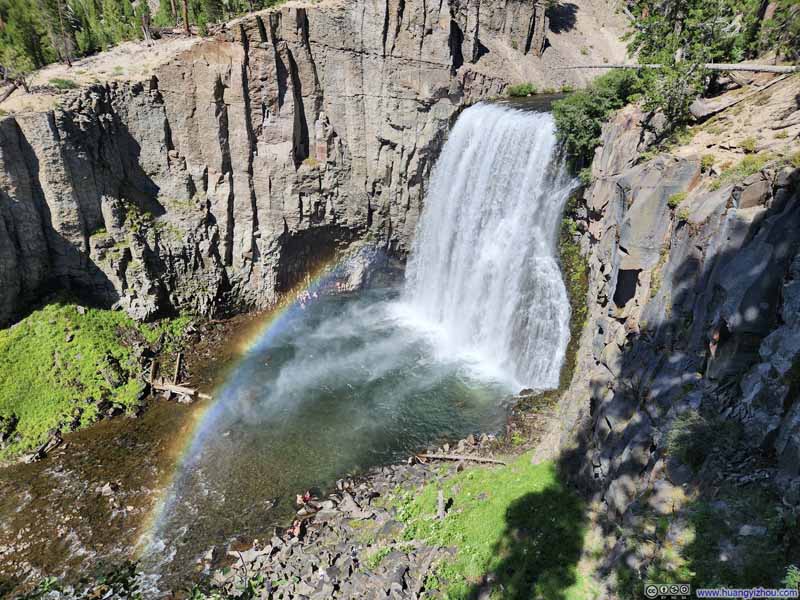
point(221, 178)
point(685, 397)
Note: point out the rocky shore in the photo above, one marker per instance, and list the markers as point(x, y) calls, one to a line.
point(350, 544)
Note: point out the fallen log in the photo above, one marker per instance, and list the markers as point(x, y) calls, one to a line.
point(460, 457)
point(163, 386)
point(707, 66)
point(10, 90)
point(702, 108)
point(440, 509)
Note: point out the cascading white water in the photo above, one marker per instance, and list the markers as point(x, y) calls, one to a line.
point(483, 268)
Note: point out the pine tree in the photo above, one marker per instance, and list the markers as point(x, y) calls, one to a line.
point(23, 43)
point(212, 9)
point(87, 34)
point(186, 17)
point(167, 15)
point(58, 20)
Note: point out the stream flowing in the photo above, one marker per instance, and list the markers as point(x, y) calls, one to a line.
point(344, 382)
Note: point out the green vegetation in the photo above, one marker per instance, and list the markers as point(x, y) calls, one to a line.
point(522, 89)
point(681, 37)
point(748, 145)
point(63, 84)
point(580, 117)
point(376, 558)
point(657, 277)
point(34, 33)
point(61, 366)
point(792, 579)
point(675, 199)
point(684, 35)
point(782, 31)
point(749, 165)
point(575, 270)
point(516, 522)
point(706, 162)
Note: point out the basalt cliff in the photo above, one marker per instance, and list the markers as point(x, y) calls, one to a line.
point(682, 420)
point(225, 175)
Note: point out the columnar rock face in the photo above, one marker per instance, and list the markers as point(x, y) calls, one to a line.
point(693, 329)
point(220, 180)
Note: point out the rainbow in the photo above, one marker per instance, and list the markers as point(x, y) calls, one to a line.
point(191, 439)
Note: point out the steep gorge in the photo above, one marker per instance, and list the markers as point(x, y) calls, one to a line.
point(220, 179)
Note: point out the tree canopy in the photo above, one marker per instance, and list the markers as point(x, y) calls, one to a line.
point(34, 33)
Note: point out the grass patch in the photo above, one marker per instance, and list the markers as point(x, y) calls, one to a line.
point(657, 278)
point(63, 84)
point(744, 168)
point(748, 145)
point(59, 364)
point(706, 162)
point(374, 559)
point(522, 89)
point(675, 200)
point(516, 522)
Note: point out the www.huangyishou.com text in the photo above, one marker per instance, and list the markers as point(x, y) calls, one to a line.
point(747, 593)
point(684, 590)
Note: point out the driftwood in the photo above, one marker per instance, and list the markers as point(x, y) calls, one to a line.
point(479, 459)
point(53, 442)
point(182, 390)
point(707, 66)
point(178, 361)
point(163, 386)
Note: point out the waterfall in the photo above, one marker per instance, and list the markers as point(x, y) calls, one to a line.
point(483, 269)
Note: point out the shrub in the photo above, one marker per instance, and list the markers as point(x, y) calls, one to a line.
point(706, 162)
point(63, 84)
point(747, 166)
point(748, 145)
point(675, 200)
point(522, 89)
point(792, 579)
point(580, 116)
